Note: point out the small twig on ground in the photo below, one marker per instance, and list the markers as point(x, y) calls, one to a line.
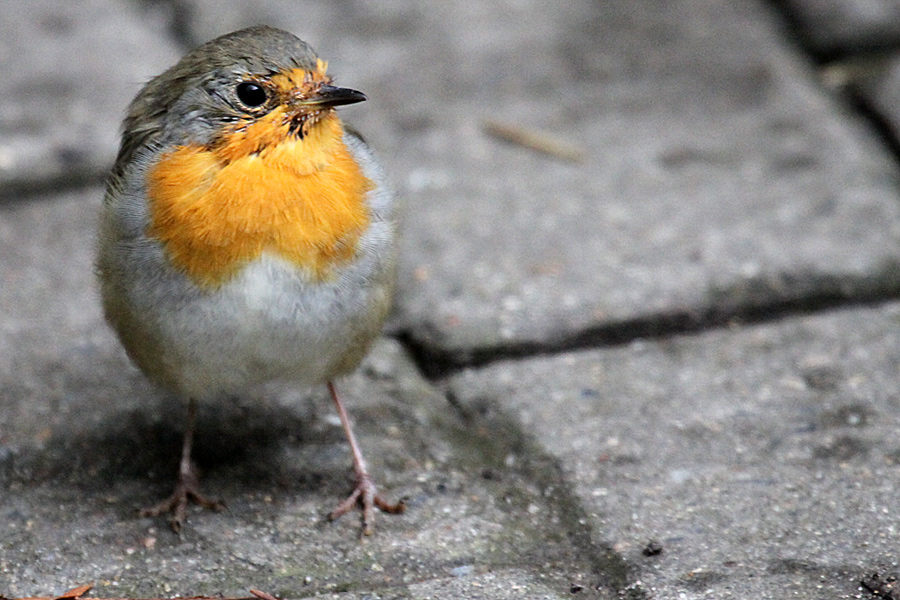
point(534, 139)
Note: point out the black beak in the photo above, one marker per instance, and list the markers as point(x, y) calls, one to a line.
point(329, 95)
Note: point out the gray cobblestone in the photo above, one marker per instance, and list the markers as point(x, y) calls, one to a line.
point(720, 180)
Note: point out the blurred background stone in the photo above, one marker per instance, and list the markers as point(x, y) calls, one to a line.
point(845, 27)
point(70, 69)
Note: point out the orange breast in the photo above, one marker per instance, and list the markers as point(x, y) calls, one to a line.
point(217, 209)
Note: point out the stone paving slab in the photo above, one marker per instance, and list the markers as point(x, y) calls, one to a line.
point(85, 441)
point(718, 174)
point(764, 461)
point(718, 177)
point(841, 27)
point(69, 70)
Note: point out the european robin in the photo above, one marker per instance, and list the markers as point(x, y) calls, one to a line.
point(246, 236)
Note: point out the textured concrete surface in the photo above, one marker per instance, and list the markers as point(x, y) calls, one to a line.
point(669, 370)
point(761, 460)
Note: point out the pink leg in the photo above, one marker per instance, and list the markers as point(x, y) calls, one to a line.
point(365, 493)
point(188, 486)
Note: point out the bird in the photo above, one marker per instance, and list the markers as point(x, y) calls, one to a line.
point(246, 236)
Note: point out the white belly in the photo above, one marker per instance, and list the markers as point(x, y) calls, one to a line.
point(264, 326)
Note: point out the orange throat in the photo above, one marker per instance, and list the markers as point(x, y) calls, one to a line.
point(216, 209)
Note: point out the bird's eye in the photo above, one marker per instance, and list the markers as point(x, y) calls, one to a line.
point(251, 94)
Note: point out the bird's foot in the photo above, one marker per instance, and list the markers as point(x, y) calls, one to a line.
point(366, 496)
point(187, 489)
